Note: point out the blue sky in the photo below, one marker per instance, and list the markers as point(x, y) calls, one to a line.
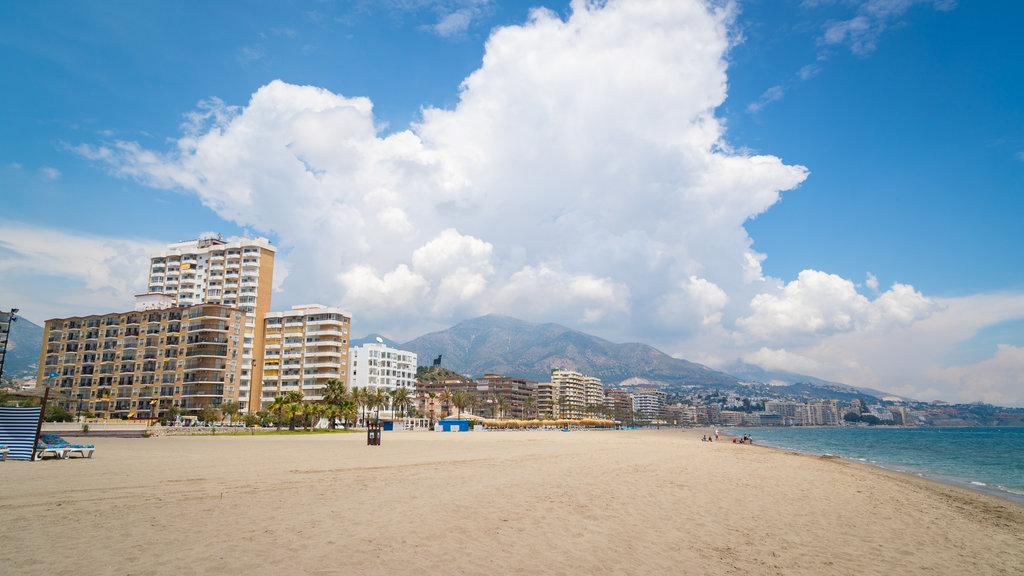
point(828, 187)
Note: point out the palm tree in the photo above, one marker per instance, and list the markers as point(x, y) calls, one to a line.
point(379, 400)
point(401, 398)
point(529, 406)
point(461, 399)
point(349, 411)
point(293, 409)
point(334, 392)
point(312, 411)
point(331, 412)
point(502, 406)
point(277, 405)
point(359, 396)
point(446, 400)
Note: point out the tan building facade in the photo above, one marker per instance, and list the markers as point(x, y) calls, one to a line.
point(139, 364)
point(238, 273)
point(304, 349)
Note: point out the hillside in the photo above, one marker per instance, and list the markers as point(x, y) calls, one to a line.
point(23, 346)
point(511, 347)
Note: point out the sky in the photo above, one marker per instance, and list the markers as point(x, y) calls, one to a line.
point(827, 187)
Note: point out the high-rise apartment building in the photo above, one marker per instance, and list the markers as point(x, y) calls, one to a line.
point(304, 348)
point(378, 365)
point(139, 364)
point(569, 393)
point(239, 274)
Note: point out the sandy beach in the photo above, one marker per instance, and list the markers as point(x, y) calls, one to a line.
point(600, 502)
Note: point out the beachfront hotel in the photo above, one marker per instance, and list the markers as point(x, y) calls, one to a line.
point(139, 364)
point(377, 365)
point(239, 274)
point(304, 348)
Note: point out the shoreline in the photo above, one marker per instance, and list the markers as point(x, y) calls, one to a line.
point(531, 502)
point(972, 485)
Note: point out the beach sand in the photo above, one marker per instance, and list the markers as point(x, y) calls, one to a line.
point(597, 502)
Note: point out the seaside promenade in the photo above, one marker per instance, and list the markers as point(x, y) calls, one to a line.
point(586, 502)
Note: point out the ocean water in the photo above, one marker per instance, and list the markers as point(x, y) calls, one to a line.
point(985, 459)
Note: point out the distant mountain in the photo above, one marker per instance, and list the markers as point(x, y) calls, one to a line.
point(24, 343)
point(372, 338)
point(802, 383)
point(511, 347)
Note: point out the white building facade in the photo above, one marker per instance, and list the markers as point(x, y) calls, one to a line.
point(377, 365)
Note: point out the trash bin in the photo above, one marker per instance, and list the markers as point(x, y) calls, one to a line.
point(373, 434)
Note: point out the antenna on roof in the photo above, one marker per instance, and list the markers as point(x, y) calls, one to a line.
point(379, 339)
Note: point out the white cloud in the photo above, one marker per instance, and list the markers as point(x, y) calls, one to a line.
point(96, 274)
point(610, 195)
point(582, 178)
point(781, 359)
point(49, 173)
point(871, 282)
point(820, 304)
point(773, 94)
point(860, 33)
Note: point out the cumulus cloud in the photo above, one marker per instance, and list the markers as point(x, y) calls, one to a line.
point(582, 177)
point(820, 304)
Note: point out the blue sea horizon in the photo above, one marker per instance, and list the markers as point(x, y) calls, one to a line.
point(989, 460)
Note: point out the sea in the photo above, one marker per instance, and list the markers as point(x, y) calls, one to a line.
point(988, 460)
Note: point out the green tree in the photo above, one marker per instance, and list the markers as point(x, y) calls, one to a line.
point(229, 409)
point(277, 407)
point(331, 412)
point(335, 392)
point(292, 410)
point(311, 411)
point(461, 399)
point(172, 413)
point(502, 406)
point(209, 414)
point(401, 398)
point(530, 407)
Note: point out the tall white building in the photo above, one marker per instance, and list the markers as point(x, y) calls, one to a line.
point(238, 273)
point(378, 366)
point(304, 348)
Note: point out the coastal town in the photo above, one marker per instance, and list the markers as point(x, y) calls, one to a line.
point(202, 345)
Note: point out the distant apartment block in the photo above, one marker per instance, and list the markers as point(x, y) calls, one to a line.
point(237, 274)
point(377, 365)
point(508, 391)
point(817, 413)
point(139, 364)
point(304, 348)
point(568, 394)
point(650, 402)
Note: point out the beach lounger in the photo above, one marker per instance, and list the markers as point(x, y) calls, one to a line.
point(55, 441)
point(43, 449)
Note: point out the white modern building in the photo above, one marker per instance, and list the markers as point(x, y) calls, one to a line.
point(379, 366)
point(237, 273)
point(304, 349)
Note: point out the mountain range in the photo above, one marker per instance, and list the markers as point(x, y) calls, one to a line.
point(511, 347)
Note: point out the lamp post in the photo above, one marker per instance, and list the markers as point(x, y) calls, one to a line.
point(3, 353)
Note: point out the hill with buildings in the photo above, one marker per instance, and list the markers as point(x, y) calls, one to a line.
point(511, 347)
